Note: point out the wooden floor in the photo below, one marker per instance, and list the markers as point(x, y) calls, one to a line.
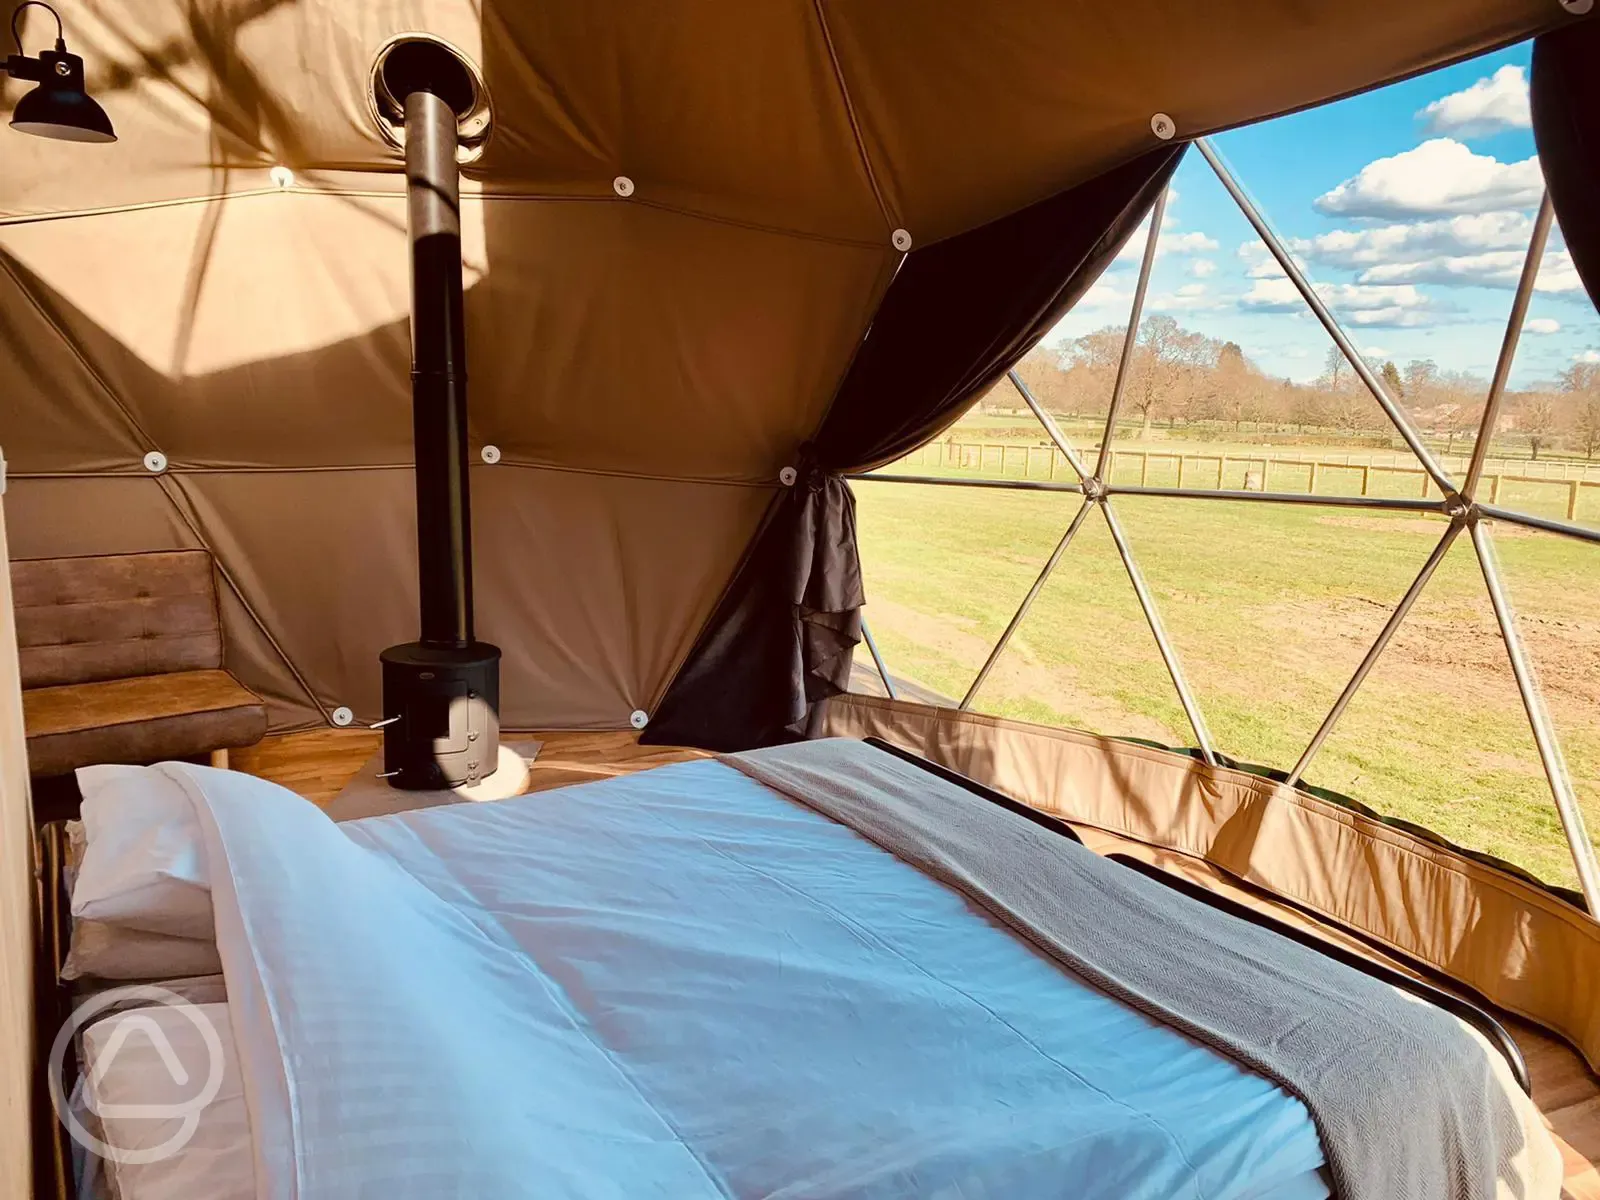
point(318, 764)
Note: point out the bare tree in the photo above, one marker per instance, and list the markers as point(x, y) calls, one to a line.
point(1239, 386)
point(1586, 427)
point(1582, 380)
point(1391, 380)
point(1421, 377)
point(1334, 368)
point(1091, 369)
point(1537, 420)
point(1044, 370)
point(1462, 421)
point(1156, 367)
point(1581, 377)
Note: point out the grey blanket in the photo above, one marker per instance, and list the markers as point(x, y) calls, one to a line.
point(1410, 1103)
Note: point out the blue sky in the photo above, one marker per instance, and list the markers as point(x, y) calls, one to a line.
point(1409, 206)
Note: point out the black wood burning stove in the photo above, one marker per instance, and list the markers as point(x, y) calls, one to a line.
point(441, 692)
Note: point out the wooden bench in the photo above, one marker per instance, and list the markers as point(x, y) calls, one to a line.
point(121, 659)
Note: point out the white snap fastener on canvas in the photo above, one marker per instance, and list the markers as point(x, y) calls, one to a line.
point(155, 462)
point(900, 239)
point(1163, 126)
point(639, 719)
point(787, 476)
point(490, 454)
point(342, 716)
point(622, 185)
point(282, 177)
point(1577, 7)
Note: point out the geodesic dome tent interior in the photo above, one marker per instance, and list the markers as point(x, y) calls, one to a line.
point(720, 261)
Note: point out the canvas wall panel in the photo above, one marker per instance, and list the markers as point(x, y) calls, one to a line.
point(270, 330)
point(57, 412)
point(616, 336)
point(67, 518)
point(592, 586)
point(595, 587)
point(728, 109)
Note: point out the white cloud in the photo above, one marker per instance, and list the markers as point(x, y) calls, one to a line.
point(1437, 178)
point(1272, 295)
point(1587, 356)
point(1259, 263)
point(1189, 297)
point(1542, 325)
point(1112, 290)
point(1473, 250)
point(1489, 106)
point(1417, 241)
point(1358, 304)
point(1202, 267)
point(1133, 248)
point(1170, 242)
point(1375, 352)
point(1496, 268)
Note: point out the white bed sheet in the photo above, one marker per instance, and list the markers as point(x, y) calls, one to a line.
point(811, 1014)
point(682, 984)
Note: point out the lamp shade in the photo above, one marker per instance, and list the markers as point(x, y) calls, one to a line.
point(66, 113)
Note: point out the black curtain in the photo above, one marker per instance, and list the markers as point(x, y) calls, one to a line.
point(1566, 127)
point(957, 316)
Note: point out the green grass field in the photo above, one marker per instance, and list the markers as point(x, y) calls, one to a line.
point(1270, 609)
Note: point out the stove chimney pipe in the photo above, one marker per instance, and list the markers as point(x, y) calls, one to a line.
point(438, 372)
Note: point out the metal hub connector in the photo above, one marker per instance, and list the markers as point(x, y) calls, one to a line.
point(1458, 508)
point(1094, 490)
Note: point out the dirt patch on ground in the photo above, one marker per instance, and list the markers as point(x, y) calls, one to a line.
point(1464, 658)
point(1433, 527)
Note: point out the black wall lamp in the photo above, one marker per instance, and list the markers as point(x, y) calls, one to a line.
point(59, 107)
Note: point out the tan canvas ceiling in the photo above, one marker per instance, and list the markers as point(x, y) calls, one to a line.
point(646, 365)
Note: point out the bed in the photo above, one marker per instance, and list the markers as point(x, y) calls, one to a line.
point(679, 983)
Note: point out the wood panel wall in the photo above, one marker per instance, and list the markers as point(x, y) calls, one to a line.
point(16, 908)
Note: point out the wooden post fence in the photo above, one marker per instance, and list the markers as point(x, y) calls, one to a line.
point(968, 456)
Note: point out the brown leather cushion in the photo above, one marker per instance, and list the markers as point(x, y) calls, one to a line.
point(114, 616)
point(139, 720)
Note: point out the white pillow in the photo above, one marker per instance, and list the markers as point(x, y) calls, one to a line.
point(101, 951)
point(144, 864)
point(129, 1080)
